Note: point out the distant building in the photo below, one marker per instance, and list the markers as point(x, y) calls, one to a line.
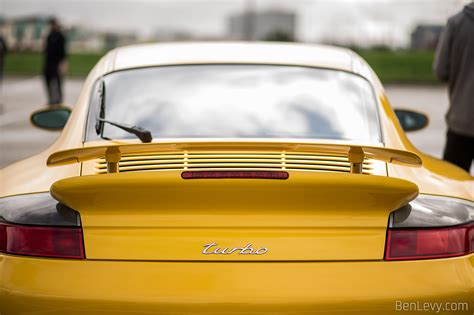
point(171, 35)
point(25, 33)
point(426, 37)
point(267, 25)
point(29, 33)
point(3, 25)
point(85, 40)
point(82, 40)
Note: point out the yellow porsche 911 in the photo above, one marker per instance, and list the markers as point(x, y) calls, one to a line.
point(230, 178)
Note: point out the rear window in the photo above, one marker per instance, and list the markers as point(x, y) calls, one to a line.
point(238, 101)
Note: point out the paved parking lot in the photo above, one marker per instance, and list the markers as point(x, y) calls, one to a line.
point(22, 96)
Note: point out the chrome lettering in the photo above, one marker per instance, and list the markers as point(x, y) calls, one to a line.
point(212, 249)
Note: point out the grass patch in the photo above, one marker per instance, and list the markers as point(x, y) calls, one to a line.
point(29, 64)
point(401, 66)
point(390, 66)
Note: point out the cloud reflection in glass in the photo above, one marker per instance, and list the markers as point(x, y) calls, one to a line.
point(242, 101)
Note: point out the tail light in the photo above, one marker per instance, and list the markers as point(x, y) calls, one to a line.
point(37, 225)
point(406, 244)
point(431, 227)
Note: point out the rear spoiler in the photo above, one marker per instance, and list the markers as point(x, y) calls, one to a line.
point(355, 153)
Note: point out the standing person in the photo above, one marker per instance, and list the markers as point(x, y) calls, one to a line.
point(54, 62)
point(3, 52)
point(454, 63)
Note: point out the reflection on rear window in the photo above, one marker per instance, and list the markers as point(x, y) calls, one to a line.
point(243, 101)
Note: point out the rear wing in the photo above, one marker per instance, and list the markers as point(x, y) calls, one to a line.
point(355, 153)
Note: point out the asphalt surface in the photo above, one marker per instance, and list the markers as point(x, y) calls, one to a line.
point(21, 96)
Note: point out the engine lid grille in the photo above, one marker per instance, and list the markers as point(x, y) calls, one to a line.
point(234, 161)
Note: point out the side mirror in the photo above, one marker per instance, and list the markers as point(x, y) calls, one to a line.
point(410, 120)
point(51, 118)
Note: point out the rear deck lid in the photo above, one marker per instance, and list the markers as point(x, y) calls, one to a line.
point(309, 216)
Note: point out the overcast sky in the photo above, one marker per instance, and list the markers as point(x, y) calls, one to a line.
point(388, 21)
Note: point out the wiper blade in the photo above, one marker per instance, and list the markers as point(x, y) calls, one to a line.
point(143, 134)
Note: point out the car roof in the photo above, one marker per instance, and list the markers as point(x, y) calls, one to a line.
point(158, 54)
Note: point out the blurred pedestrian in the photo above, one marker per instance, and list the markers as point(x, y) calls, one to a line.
point(55, 62)
point(3, 52)
point(454, 63)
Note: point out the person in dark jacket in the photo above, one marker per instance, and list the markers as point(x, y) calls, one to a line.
point(3, 52)
point(54, 62)
point(454, 63)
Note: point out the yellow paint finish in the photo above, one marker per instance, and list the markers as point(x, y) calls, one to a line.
point(160, 216)
point(280, 244)
point(435, 177)
point(58, 287)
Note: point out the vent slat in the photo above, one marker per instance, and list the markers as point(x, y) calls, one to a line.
point(233, 160)
point(244, 165)
point(236, 156)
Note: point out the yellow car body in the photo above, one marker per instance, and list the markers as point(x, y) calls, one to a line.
point(320, 257)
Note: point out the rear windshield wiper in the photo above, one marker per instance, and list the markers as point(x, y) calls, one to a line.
point(143, 134)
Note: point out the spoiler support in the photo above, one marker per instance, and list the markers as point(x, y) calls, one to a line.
point(112, 157)
point(356, 159)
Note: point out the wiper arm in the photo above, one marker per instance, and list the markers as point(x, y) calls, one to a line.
point(143, 134)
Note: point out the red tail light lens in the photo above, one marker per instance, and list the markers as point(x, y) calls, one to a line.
point(46, 241)
point(426, 243)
